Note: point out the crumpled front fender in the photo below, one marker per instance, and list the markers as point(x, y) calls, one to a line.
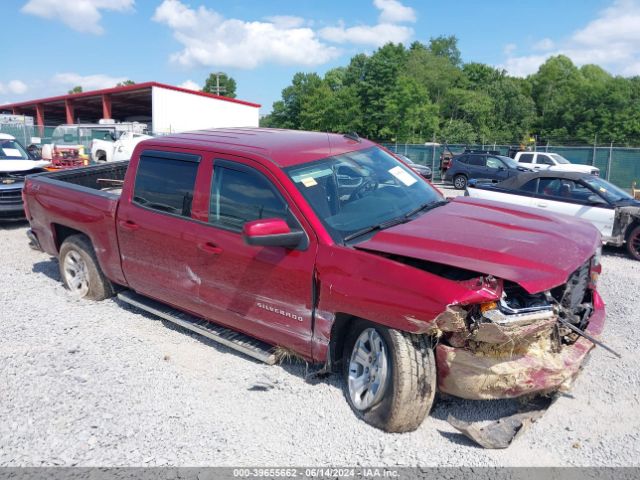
point(485, 375)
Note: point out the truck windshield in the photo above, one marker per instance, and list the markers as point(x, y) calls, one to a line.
point(362, 191)
point(12, 150)
point(559, 158)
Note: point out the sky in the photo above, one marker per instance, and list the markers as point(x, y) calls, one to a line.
point(49, 46)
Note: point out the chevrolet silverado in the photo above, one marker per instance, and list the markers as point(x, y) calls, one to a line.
point(328, 247)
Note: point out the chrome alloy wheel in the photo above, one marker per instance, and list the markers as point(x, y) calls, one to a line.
point(76, 274)
point(368, 370)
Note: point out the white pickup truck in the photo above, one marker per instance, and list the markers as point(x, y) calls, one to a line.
point(115, 151)
point(552, 161)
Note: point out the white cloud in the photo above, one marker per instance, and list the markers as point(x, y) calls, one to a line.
point(287, 21)
point(392, 11)
point(16, 87)
point(509, 48)
point(211, 40)
point(375, 35)
point(612, 40)
point(87, 82)
point(544, 45)
point(81, 15)
point(190, 85)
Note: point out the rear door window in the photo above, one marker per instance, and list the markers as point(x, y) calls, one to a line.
point(476, 160)
point(165, 182)
point(526, 158)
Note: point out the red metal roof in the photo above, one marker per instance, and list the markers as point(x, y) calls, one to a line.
point(284, 147)
point(126, 88)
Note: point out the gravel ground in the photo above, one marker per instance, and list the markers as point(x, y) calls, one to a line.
point(101, 384)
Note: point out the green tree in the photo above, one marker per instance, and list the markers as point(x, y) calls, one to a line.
point(125, 83)
point(379, 78)
point(446, 47)
point(411, 116)
point(458, 131)
point(220, 83)
point(76, 89)
point(436, 73)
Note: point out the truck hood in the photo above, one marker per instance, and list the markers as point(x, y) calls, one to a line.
point(21, 165)
point(536, 251)
point(572, 167)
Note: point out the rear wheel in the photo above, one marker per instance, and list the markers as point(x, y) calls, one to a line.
point(460, 182)
point(389, 376)
point(80, 270)
point(633, 243)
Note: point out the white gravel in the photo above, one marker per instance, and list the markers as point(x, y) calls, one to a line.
point(100, 384)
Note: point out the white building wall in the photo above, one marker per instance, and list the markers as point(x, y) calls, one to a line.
point(174, 111)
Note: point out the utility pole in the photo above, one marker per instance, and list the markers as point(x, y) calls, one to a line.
point(219, 89)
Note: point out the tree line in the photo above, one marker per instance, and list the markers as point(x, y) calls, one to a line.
point(425, 91)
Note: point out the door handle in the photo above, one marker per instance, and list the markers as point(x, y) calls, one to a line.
point(128, 225)
point(210, 248)
point(543, 204)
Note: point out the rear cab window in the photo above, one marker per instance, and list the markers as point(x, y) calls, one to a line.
point(165, 182)
point(526, 158)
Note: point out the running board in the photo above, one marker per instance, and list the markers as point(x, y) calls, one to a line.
point(224, 336)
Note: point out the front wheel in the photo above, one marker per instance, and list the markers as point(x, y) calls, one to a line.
point(633, 243)
point(80, 270)
point(460, 182)
point(389, 376)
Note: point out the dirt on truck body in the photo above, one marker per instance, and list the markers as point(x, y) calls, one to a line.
point(329, 247)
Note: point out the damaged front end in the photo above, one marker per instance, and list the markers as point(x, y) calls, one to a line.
point(521, 343)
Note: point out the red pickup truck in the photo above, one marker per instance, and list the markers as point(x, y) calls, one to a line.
point(330, 248)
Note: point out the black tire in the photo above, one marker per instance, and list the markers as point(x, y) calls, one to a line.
point(460, 182)
point(77, 250)
point(633, 243)
point(410, 384)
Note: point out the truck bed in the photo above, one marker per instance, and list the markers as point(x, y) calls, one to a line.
point(80, 200)
point(106, 178)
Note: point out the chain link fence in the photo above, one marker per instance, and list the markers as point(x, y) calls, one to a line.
point(619, 165)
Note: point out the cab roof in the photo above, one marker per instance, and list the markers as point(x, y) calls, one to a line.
point(284, 147)
point(6, 136)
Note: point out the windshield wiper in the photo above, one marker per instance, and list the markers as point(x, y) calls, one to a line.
point(425, 207)
point(395, 221)
point(372, 228)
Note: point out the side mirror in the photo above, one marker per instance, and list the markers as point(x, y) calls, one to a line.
point(596, 200)
point(501, 169)
point(271, 232)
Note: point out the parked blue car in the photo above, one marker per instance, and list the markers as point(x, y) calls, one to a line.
point(481, 165)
